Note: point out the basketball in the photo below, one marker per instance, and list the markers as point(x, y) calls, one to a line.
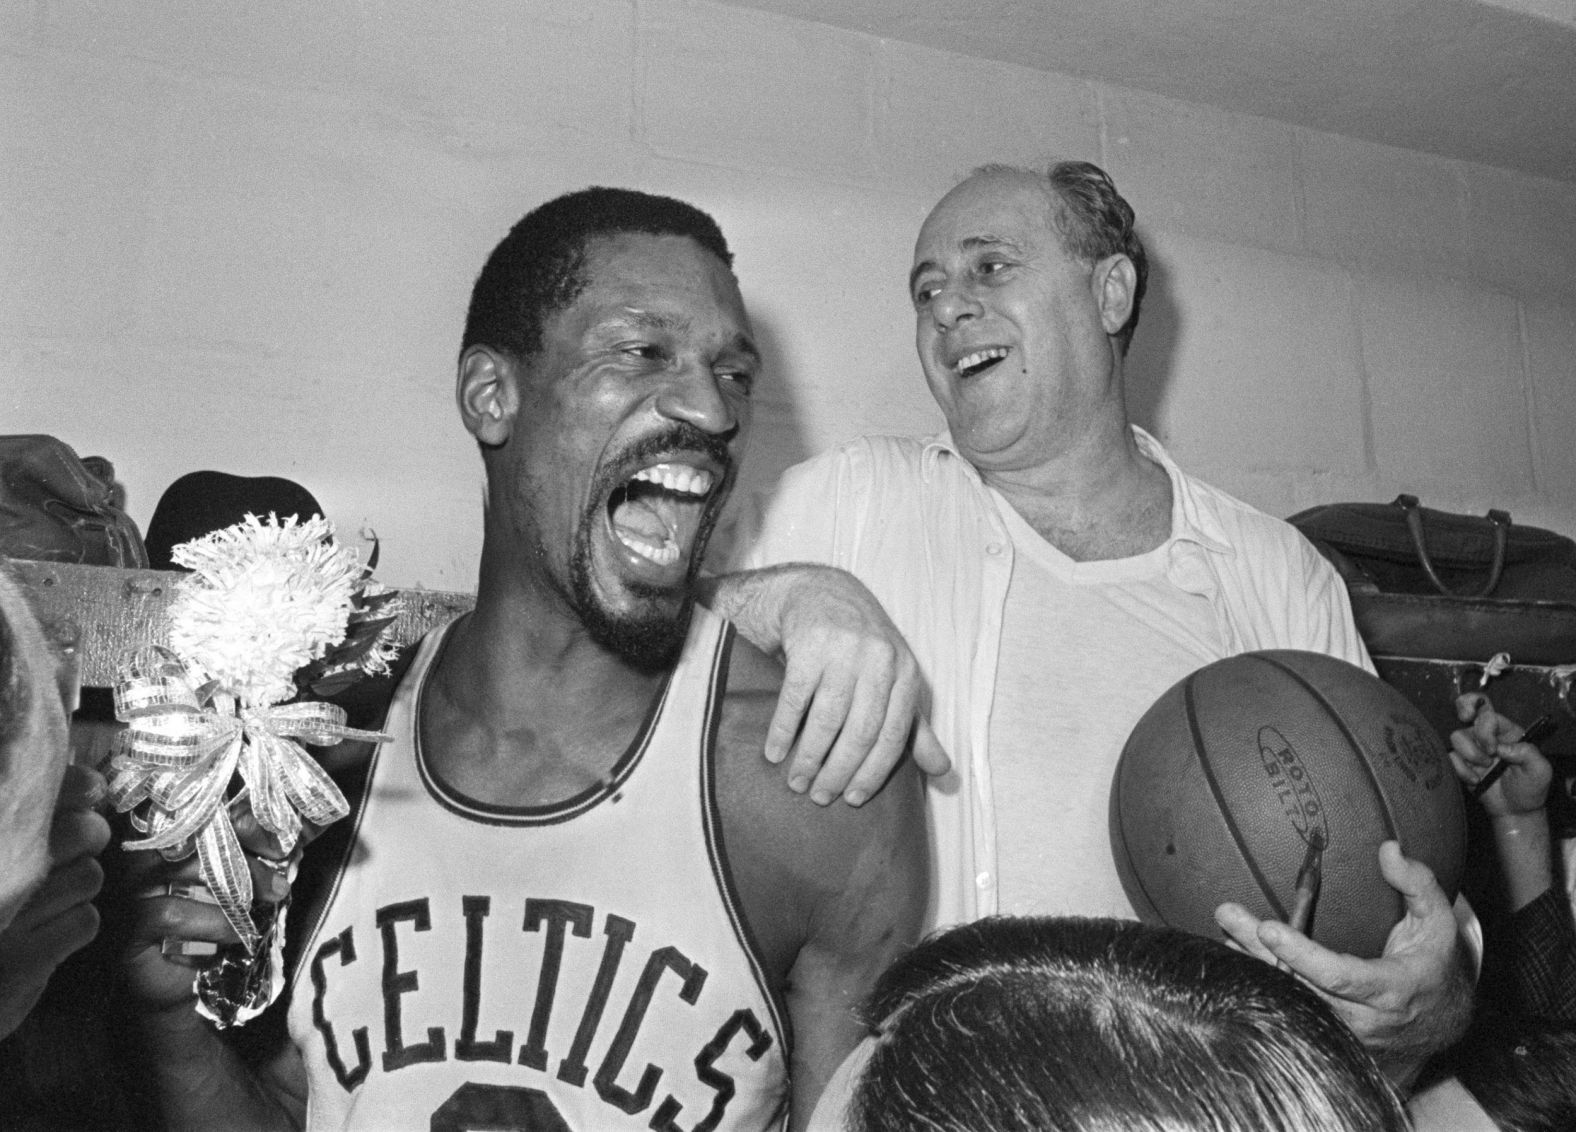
point(1233, 773)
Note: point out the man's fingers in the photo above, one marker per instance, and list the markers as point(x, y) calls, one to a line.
point(862, 737)
point(929, 754)
point(1274, 942)
point(251, 834)
point(823, 723)
point(1414, 880)
point(1241, 928)
point(82, 788)
point(172, 917)
point(71, 884)
point(270, 879)
point(77, 833)
point(55, 939)
point(1464, 742)
point(1469, 704)
point(793, 701)
point(885, 748)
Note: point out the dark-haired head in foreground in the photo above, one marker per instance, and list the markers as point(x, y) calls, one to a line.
point(1087, 1024)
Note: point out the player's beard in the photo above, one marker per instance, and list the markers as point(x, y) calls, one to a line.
point(650, 636)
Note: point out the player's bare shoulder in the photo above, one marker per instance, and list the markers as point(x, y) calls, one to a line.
point(794, 862)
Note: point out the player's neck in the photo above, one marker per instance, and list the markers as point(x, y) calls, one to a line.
point(522, 711)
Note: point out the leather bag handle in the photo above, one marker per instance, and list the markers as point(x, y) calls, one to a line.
point(1500, 521)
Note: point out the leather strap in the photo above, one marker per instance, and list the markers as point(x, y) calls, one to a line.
point(1500, 521)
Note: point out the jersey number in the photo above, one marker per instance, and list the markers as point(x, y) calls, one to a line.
point(497, 1108)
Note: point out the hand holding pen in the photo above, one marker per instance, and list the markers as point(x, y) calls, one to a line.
point(1494, 751)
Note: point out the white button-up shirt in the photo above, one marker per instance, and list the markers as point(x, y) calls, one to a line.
point(913, 520)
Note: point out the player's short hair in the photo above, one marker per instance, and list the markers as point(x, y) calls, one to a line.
point(1095, 1025)
point(1094, 221)
point(538, 268)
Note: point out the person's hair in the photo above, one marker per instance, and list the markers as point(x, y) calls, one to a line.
point(1095, 1025)
point(1519, 1070)
point(538, 268)
point(1094, 221)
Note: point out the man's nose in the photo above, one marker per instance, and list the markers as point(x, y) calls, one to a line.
point(953, 304)
point(695, 396)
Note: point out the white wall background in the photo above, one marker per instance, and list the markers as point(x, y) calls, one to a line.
point(243, 236)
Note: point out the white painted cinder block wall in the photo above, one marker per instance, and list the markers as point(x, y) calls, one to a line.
point(243, 236)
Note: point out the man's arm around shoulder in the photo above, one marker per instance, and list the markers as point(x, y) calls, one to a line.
point(832, 894)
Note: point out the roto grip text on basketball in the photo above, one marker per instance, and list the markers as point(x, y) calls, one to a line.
point(1293, 785)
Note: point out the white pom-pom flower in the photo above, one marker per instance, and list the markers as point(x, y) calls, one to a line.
point(264, 598)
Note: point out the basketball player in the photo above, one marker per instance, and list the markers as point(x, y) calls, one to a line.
point(575, 895)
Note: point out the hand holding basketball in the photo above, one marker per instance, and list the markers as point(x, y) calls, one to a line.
point(1253, 765)
point(1405, 1006)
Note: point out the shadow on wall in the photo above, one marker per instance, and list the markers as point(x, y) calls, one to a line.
point(1150, 359)
point(778, 439)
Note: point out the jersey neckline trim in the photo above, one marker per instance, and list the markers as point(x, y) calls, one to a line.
point(471, 809)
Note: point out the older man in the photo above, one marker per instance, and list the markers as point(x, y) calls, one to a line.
point(575, 895)
point(1054, 572)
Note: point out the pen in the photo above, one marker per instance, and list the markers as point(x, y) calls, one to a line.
point(1308, 880)
point(1537, 731)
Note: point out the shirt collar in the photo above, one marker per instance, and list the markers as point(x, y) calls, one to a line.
point(1191, 520)
point(937, 448)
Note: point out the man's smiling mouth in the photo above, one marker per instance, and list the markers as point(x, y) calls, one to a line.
point(658, 510)
point(971, 365)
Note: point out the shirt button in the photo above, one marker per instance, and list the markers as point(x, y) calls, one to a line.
point(992, 549)
point(983, 880)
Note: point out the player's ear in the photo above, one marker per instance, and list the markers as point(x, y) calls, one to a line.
point(488, 392)
point(1113, 283)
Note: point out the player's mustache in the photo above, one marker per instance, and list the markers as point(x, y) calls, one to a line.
point(680, 436)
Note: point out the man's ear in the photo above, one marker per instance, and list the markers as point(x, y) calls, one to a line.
point(1113, 283)
point(487, 389)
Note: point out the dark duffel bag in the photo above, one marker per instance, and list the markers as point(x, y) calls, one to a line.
point(1427, 583)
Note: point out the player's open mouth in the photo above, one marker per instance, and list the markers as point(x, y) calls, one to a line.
point(977, 362)
point(658, 510)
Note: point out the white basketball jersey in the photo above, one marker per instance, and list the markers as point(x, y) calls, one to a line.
point(581, 966)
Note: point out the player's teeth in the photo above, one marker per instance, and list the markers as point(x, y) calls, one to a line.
point(677, 478)
point(664, 555)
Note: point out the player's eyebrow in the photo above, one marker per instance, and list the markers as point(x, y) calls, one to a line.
point(741, 343)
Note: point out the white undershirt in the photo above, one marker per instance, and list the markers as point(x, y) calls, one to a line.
point(1086, 648)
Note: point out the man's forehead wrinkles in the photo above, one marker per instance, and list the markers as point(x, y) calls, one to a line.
point(656, 320)
point(978, 243)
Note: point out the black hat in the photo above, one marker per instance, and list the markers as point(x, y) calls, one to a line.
point(202, 502)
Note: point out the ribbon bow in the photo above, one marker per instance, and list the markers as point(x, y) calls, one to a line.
point(185, 741)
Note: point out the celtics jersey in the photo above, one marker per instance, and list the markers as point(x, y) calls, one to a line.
point(581, 965)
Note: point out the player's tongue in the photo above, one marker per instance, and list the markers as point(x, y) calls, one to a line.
point(642, 527)
point(657, 512)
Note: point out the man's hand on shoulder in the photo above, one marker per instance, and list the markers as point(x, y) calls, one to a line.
point(853, 697)
point(1405, 1006)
